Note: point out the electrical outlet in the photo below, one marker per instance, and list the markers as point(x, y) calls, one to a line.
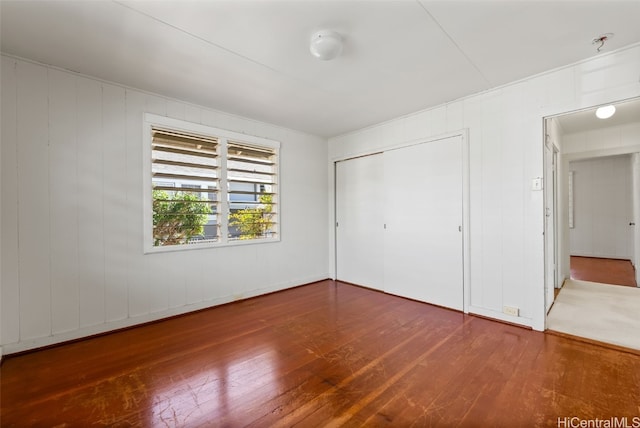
point(511, 310)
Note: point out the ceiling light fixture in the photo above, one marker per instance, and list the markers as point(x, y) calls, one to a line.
point(326, 45)
point(605, 112)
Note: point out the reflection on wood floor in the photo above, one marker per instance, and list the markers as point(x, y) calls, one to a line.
point(325, 354)
point(605, 271)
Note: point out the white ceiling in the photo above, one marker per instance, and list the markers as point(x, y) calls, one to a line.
point(627, 112)
point(252, 58)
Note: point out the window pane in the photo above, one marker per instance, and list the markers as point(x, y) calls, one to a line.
point(185, 208)
point(251, 188)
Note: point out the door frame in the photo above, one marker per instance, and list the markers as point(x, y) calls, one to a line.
point(550, 185)
point(562, 225)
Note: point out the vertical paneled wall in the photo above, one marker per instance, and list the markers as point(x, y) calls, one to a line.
point(603, 208)
point(605, 141)
point(505, 127)
point(72, 259)
point(635, 185)
point(590, 144)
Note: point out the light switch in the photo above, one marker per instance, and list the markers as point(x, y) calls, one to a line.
point(536, 183)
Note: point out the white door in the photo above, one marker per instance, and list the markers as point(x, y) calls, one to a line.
point(359, 218)
point(423, 239)
point(550, 223)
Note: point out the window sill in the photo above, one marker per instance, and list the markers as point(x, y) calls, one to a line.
point(208, 245)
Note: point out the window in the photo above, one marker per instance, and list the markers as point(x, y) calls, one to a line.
point(191, 162)
point(251, 191)
point(207, 187)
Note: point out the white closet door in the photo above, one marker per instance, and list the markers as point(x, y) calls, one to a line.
point(359, 214)
point(423, 242)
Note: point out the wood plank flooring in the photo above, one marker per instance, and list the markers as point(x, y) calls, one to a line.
point(605, 271)
point(325, 354)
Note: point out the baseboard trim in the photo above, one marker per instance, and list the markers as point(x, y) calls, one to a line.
point(591, 256)
point(488, 313)
point(138, 320)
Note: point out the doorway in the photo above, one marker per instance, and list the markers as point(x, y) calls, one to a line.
point(601, 236)
point(580, 136)
point(596, 174)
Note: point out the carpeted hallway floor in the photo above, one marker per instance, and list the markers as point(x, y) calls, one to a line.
point(597, 311)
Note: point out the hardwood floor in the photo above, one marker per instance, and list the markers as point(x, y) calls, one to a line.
point(325, 354)
point(606, 271)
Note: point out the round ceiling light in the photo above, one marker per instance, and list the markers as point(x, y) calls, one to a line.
point(326, 45)
point(605, 112)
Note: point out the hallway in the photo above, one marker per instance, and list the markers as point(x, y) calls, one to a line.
point(604, 271)
point(599, 302)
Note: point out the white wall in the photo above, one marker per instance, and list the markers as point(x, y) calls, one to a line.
point(506, 152)
point(72, 246)
point(635, 168)
point(602, 201)
point(2, 135)
point(611, 141)
point(589, 144)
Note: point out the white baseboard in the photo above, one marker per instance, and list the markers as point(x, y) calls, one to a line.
point(525, 322)
point(601, 256)
point(132, 321)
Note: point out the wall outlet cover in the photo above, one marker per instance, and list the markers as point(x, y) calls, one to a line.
point(511, 310)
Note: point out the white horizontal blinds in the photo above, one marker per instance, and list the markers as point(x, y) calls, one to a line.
point(185, 179)
point(252, 191)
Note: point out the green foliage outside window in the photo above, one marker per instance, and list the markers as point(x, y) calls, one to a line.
point(178, 217)
point(254, 222)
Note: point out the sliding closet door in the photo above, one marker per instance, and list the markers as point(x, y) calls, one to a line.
point(359, 212)
point(423, 242)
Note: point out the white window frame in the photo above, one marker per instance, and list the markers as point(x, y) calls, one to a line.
point(149, 121)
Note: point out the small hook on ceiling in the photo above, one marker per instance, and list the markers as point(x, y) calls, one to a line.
point(601, 39)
